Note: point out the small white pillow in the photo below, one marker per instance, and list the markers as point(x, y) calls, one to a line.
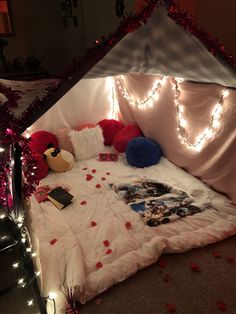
point(87, 143)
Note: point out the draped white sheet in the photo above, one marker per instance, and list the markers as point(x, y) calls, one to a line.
point(72, 259)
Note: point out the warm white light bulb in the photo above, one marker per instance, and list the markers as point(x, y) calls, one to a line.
point(183, 122)
point(30, 302)
point(2, 216)
point(52, 295)
point(216, 123)
point(15, 265)
point(20, 281)
point(226, 93)
point(34, 254)
point(181, 108)
point(209, 134)
point(2, 149)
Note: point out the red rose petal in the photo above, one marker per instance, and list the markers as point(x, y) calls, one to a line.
point(94, 170)
point(89, 177)
point(162, 263)
point(106, 243)
point(83, 203)
point(108, 173)
point(103, 178)
point(99, 265)
point(85, 169)
point(194, 267)
point(166, 278)
point(128, 225)
point(229, 259)
point(93, 223)
point(109, 251)
point(221, 306)
point(98, 301)
point(171, 308)
point(97, 186)
point(52, 242)
point(216, 254)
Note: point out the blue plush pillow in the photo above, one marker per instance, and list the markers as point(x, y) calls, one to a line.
point(142, 152)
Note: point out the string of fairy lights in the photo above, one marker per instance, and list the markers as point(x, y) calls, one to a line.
point(149, 100)
point(153, 96)
point(23, 281)
point(28, 255)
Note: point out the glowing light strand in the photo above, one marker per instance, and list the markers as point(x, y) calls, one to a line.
point(132, 101)
point(209, 132)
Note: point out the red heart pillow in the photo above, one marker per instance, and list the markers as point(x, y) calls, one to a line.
point(110, 128)
point(122, 138)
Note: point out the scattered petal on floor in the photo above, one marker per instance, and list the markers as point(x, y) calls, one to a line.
point(162, 263)
point(216, 254)
point(229, 259)
point(194, 267)
point(52, 242)
point(103, 178)
point(221, 306)
point(98, 301)
point(85, 168)
point(98, 186)
point(94, 170)
point(171, 308)
point(83, 203)
point(108, 252)
point(93, 223)
point(108, 173)
point(166, 278)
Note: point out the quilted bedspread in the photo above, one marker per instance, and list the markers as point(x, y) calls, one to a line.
point(98, 240)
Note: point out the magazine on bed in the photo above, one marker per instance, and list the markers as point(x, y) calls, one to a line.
point(156, 202)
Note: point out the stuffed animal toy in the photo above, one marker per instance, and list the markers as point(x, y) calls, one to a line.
point(143, 152)
point(110, 128)
point(59, 160)
point(42, 140)
point(123, 137)
point(42, 166)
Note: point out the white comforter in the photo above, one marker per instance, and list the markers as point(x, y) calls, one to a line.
point(70, 243)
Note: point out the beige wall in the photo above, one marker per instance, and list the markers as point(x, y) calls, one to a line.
point(216, 17)
point(39, 28)
point(40, 31)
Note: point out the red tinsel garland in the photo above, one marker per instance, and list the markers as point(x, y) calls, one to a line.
point(183, 18)
point(10, 134)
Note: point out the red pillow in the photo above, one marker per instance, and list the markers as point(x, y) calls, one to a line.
point(124, 136)
point(85, 125)
point(110, 128)
point(42, 140)
point(42, 166)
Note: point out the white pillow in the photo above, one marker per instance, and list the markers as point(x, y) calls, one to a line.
point(87, 143)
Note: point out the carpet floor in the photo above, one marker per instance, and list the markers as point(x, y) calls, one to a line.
point(200, 281)
point(169, 286)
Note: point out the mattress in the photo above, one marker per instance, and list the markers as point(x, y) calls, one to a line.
point(98, 240)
